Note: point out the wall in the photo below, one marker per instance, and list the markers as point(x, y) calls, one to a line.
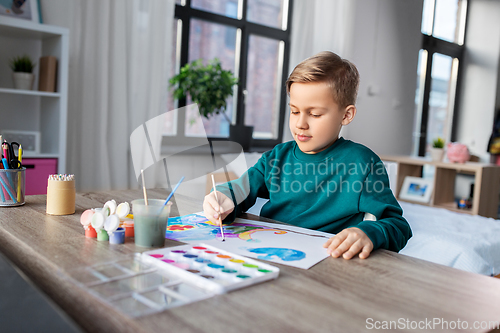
point(383, 42)
point(479, 88)
point(386, 41)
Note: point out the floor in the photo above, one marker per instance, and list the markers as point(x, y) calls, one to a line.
point(24, 308)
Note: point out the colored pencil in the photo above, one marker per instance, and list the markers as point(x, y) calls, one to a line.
point(3, 190)
point(5, 152)
point(10, 191)
point(220, 219)
point(19, 178)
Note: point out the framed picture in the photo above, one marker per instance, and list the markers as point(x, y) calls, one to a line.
point(22, 9)
point(416, 189)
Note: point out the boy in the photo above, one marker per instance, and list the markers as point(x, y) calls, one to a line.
point(320, 181)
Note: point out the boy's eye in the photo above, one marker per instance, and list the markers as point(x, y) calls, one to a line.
point(295, 112)
point(315, 115)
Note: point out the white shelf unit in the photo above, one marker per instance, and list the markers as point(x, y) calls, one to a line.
point(33, 110)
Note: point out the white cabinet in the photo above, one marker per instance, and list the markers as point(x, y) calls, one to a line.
point(33, 110)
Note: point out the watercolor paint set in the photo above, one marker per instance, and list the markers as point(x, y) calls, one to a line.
point(157, 280)
point(211, 268)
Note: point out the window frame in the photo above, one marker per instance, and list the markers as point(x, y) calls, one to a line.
point(185, 13)
point(436, 45)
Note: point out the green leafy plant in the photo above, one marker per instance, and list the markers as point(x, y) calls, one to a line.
point(22, 64)
point(209, 86)
point(438, 143)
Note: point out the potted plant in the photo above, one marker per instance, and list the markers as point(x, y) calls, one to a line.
point(210, 86)
point(437, 150)
point(23, 76)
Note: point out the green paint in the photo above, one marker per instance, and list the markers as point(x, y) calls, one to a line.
point(102, 235)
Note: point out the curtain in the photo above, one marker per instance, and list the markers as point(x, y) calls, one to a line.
point(118, 79)
point(319, 25)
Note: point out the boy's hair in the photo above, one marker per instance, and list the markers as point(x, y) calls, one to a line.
point(340, 74)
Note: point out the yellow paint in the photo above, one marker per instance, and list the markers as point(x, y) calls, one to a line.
point(237, 261)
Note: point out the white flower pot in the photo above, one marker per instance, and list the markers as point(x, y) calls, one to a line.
point(23, 80)
point(437, 154)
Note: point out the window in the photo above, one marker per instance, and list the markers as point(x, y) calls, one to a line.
point(443, 34)
point(251, 38)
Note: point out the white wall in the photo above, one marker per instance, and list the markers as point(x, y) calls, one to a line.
point(479, 86)
point(385, 48)
point(383, 42)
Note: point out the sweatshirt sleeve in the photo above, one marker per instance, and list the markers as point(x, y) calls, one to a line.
point(245, 190)
point(391, 231)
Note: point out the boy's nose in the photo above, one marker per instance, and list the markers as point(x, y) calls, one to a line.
point(302, 123)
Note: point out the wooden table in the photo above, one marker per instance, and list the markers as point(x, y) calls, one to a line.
point(334, 295)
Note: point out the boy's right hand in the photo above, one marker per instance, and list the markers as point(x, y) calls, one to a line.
point(212, 208)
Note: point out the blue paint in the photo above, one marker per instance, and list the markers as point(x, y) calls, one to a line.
point(190, 256)
point(203, 261)
point(201, 231)
point(282, 253)
point(117, 237)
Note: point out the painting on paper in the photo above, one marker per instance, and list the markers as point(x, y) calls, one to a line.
point(277, 243)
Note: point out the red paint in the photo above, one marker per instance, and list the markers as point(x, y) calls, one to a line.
point(156, 255)
point(129, 229)
point(199, 248)
point(211, 252)
point(90, 232)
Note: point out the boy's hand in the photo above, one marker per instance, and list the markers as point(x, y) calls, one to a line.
point(348, 243)
point(212, 208)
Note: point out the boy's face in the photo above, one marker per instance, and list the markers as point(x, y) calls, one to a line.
point(315, 118)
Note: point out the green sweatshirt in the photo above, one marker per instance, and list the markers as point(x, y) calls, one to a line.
point(327, 191)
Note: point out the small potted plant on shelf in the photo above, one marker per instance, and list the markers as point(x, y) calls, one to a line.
point(437, 150)
point(23, 76)
point(209, 86)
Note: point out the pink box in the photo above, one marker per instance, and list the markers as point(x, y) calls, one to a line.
point(37, 174)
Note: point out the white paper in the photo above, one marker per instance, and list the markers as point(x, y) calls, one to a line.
point(279, 243)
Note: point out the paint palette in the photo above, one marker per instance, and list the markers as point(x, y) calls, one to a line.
point(209, 268)
point(161, 279)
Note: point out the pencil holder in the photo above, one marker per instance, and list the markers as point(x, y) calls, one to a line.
point(60, 197)
point(12, 187)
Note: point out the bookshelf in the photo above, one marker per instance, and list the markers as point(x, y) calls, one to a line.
point(33, 110)
point(486, 188)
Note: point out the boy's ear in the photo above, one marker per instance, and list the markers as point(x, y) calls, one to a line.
point(349, 114)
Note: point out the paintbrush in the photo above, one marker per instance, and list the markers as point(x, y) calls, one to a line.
point(173, 191)
point(220, 219)
point(144, 188)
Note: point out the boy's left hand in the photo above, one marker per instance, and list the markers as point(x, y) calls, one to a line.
point(348, 243)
